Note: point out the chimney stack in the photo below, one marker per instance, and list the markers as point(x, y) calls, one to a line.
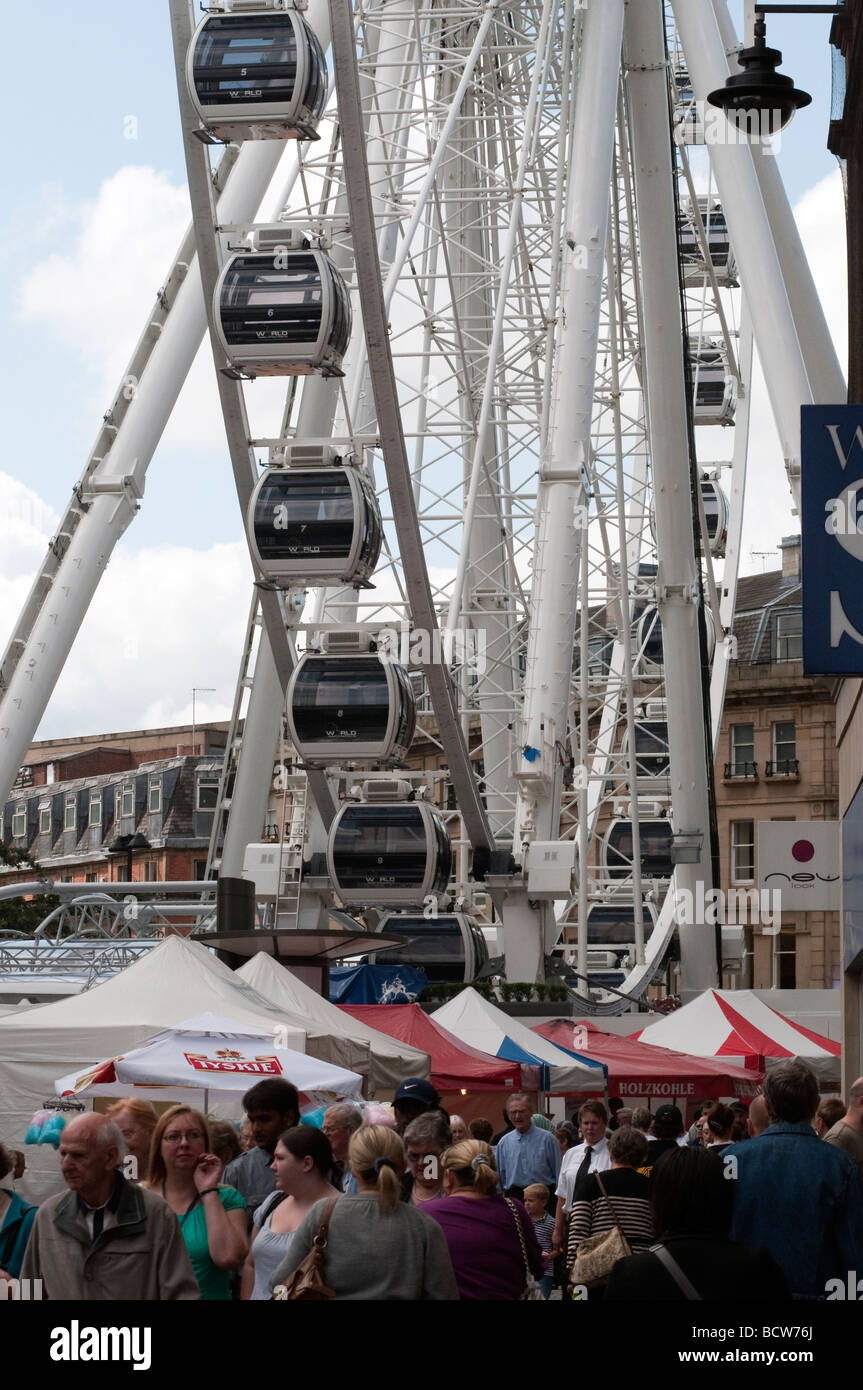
point(790, 548)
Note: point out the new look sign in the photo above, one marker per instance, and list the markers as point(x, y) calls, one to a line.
point(832, 506)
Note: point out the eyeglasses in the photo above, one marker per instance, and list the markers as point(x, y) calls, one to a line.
point(178, 1135)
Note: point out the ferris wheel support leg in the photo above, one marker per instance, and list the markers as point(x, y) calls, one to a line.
point(561, 495)
point(751, 236)
point(678, 580)
point(106, 516)
point(819, 352)
point(255, 766)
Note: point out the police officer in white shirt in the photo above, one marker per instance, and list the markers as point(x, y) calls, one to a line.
point(590, 1156)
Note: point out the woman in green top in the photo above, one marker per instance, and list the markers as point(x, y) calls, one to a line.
point(212, 1217)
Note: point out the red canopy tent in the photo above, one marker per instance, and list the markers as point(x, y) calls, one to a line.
point(637, 1069)
point(455, 1065)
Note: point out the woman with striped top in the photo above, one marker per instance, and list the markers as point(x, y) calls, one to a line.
point(627, 1191)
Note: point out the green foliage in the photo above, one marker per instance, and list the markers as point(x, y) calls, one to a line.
point(21, 914)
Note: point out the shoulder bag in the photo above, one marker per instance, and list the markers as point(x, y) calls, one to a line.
point(307, 1281)
point(596, 1257)
point(532, 1291)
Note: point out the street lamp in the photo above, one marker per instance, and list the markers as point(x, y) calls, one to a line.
point(127, 844)
point(199, 689)
point(760, 98)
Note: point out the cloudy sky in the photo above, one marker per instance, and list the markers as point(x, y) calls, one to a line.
point(96, 206)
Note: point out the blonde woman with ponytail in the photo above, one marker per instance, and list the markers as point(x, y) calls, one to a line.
point(378, 1247)
point(490, 1237)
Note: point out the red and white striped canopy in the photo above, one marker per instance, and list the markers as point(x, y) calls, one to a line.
point(737, 1023)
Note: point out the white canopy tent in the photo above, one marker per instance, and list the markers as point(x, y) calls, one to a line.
point(391, 1061)
point(482, 1024)
point(171, 982)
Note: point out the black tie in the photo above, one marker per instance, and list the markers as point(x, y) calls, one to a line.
point(584, 1166)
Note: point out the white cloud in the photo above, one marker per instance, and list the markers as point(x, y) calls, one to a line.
point(162, 621)
point(94, 298)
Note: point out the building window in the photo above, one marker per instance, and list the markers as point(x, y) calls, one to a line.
point(19, 823)
point(90, 878)
point(95, 815)
point(44, 820)
point(742, 851)
point(784, 741)
point(742, 749)
point(150, 871)
point(789, 637)
point(786, 959)
point(125, 802)
point(154, 794)
point(70, 817)
point(200, 870)
point(50, 772)
point(208, 793)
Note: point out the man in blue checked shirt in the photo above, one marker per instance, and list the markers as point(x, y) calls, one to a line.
point(527, 1154)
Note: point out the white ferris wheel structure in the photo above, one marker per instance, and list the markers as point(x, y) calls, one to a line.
point(511, 282)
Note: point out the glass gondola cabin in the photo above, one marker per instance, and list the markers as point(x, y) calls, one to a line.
point(715, 228)
point(447, 947)
point(345, 707)
point(714, 397)
point(647, 628)
point(389, 854)
point(716, 514)
point(284, 312)
point(257, 76)
point(315, 526)
point(655, 840)
point(652, 757)
point(611, 930)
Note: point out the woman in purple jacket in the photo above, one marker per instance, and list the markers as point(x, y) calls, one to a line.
point(490, 1237)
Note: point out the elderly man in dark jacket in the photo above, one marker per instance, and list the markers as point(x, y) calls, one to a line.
point(794, 1194)
point(105, 1238)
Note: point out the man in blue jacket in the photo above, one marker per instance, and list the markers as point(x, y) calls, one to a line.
point(794, 1194)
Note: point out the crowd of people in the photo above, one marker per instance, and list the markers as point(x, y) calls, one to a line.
point(752, 1204)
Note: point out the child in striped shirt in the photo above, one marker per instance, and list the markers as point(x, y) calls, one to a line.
point(536, 1205)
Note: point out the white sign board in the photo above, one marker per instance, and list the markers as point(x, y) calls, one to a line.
point(801, 859)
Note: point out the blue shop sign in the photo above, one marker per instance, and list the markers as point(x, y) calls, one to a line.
point(832, 516)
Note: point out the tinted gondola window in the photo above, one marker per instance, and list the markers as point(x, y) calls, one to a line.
point(260, 303)
point(615, 926)
point(305, 515)
point(381, 847)
point(316, 79)
point(436, 944)
point(340, 330)
point(655, 842)
point(407, 710)
point(712, 508)
point(345, 699)
point(652, 758)
point(249, 61)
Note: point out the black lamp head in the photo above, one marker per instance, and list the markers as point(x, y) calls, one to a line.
point(759, 100)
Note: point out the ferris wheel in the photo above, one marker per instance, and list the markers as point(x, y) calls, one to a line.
point(512, 290)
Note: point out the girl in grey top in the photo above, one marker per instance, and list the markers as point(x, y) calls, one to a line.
point(301, 1163)
point(377, 1246)
point(271, 1247)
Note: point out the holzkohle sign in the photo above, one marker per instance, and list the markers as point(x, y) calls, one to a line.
point(832, 507)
